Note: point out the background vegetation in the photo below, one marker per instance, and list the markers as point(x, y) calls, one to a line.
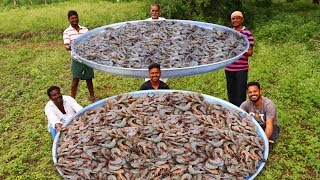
point(286, 62)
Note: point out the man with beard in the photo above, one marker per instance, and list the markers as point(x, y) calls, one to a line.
point(79, 70)
point(154, 82)
point(59, 109)
point(263, 110)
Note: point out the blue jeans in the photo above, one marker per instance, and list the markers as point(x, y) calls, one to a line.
point(53, 131)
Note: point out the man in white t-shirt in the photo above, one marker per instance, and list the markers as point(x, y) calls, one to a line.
point(59, 109)
point(155, 16)
point(155, 12)
point(80, 71)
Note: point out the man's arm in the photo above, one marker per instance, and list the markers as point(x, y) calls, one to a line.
point(66, 40)
point(68, 47)
point(53, 118)
point(270, 115)
point(58, 126)
point(249, 52)
point(269, 127)
point(251, 43)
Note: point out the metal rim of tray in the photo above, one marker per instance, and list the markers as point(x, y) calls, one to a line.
point(165, 72)
point(207, 98)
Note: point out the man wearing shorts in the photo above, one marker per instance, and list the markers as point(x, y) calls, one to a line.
point(79, 70)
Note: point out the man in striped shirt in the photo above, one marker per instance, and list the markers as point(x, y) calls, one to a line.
point(79, 70)
point(237, 72)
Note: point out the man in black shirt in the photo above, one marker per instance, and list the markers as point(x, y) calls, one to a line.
point(154, 82)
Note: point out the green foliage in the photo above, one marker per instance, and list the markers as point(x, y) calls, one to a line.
point(28, 2)
point(285, 61)
point(46, 23)
point(284, 23)
point(213, 11)
point(290, 80)
point(41, 2)
point(262, 3)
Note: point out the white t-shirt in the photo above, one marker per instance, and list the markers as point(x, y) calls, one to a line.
point(55, 116)
point(159, 19)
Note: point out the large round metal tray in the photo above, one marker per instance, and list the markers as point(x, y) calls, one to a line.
point(165, 73)
point(207, 98)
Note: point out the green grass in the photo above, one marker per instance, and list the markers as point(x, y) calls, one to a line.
point(290, 77)
point(285, 62)
point(47, 22)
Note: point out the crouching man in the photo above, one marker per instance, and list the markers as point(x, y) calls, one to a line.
point(59, 109)
point(263, 110)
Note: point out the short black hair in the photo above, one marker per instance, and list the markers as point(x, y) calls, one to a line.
point(154, 65)
point(51, 88)
point(253, 84)
point(71, 13)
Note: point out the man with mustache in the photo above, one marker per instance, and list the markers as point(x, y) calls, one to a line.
point(59, 109)
point(237, 72)
point(154, 82)
point(79, 70)
point(263, 110)
point(155, 16)
point(155, 12)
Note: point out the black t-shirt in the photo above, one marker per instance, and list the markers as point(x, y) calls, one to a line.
point(147, 85)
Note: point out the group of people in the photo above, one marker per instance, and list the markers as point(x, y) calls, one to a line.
point(261, 108)
point(61, 107)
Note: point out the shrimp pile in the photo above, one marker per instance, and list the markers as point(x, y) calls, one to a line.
point(174, 135)
point(170, 43)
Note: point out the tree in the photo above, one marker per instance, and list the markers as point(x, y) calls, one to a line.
point(214, 11)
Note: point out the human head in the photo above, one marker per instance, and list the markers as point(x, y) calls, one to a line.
point(253, 84)
point(254, 91)
point(154, 72)
point(237, 19)
point(155, 11)
point(54, 94)
point(73, 17)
